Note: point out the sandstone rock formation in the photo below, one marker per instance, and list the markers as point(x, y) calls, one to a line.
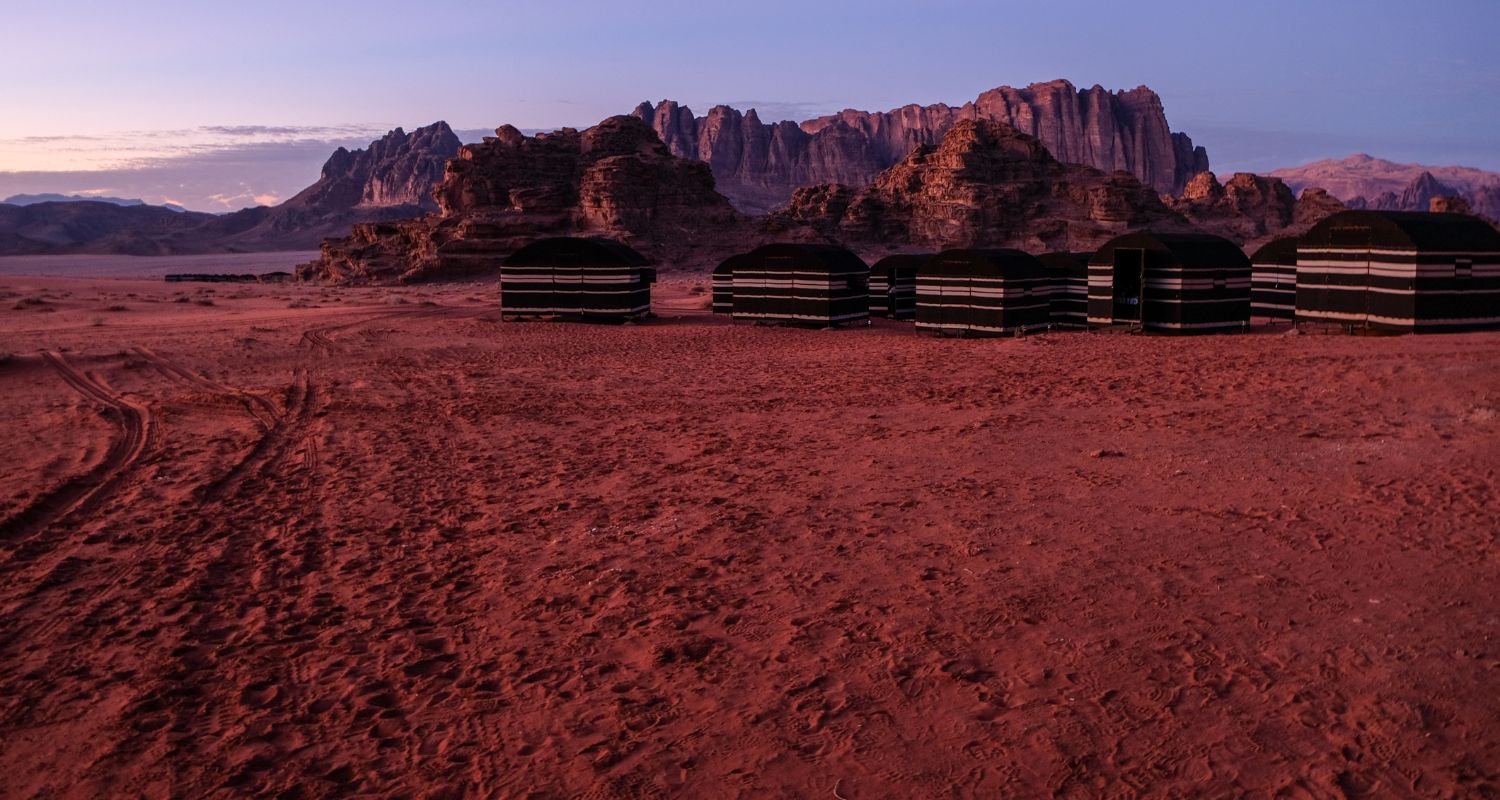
point(615, 179)
point(1251, 209)
point(758, 165)
point(984, 185)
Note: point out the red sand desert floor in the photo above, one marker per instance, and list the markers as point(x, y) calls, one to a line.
point(299, 542)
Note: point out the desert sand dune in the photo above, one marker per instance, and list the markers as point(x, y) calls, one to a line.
point(302, 542)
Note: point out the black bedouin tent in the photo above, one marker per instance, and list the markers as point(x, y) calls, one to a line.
point(983, 293)
point(592, 279)
point(1179, 283)
point(1273, 279)
point(723, 283)
point(1069, 274)
point(1400, 271)
point(801, 284)
point(893, 285)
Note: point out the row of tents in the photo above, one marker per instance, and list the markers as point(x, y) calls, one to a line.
point(1397, 271)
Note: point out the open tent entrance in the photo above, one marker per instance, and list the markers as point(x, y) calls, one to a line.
point(1130, 284)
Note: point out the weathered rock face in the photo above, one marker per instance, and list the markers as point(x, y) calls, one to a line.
point(1418, 196)
point(985, 185)
point(759, 165)
point(1251, 209)
point(389, 180)
point(616, 179)
point(396, 170)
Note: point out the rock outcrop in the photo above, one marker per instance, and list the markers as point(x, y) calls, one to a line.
point(758, 165)
point(1313, 206)
point(1449, 205)
point(984, 185)
point(615, 179)
point(1251, 209)
point(1419, 195)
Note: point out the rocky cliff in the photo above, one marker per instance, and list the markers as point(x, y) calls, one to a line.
point(985, 184)
point(758, 164)
point(391, 179)
point(615, 179)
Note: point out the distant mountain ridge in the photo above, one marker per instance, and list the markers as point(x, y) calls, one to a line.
point(1363, 181)
point(391, 179)
point(52, 197)
point(758, 165)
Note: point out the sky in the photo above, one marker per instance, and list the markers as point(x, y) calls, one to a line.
point(216, 106)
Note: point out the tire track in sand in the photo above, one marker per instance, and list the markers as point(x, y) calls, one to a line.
point(273, 447)
point(264, 411)
point(85, 491)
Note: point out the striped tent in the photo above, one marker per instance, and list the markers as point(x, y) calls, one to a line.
point(982, 293)
point(1069, 273)
point(893, 285)
point(801, 284)
point(1400, 271)
point(579, 279)
point(1273, 279)
point(1179, 283)
point(723, 283)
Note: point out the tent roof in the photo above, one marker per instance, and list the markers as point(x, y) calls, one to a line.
point(901, 261)
point(1409, 229)
point(1187, 249)
point(726, 267)
point(832, 258)
point(1066, 262)
point(1005, 263)
point(569, 250)
point(1281, 251)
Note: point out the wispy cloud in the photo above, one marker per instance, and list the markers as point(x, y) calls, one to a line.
point(208, 168)
point(144, 148)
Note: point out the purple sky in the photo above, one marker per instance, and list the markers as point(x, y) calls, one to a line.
point(218, 106)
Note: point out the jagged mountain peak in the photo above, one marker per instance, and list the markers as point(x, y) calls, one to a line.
point(759, 165)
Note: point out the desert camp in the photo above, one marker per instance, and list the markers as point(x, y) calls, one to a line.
point(725, 401)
